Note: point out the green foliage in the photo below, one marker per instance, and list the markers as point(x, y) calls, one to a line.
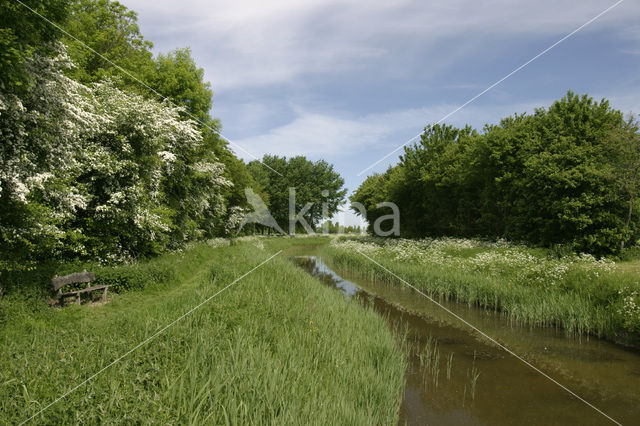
point(134, 277)
point(336, 228)
point(93, 164)
point(624, 152)
point(374, 190)
point(308, 178)
point(22, 32)
point(235, 170)
point(560, 188)
point(98, 172)
point(111, 29)
point(629, 308)
point(629, 253)
point(564, 175)
point(177, 77)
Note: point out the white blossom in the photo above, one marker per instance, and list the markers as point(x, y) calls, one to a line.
point(101, 151)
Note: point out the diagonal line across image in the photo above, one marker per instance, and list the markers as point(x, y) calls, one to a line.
point(148, 339)
point(482, 333)
point(160, 331)
point(136, 79)
point(494, 84)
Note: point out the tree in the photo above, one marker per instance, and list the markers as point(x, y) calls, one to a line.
point(625, 150)
point(559, 185)
point(110, 29)
point(314, 182)
point(42, 141)
point(22, 33)
point(95, 171)
point(374, 190)
point(433, 186)
point(567, 174)
point(177, 77)
point(173, 191)
point(236, 171)
point(275, 186)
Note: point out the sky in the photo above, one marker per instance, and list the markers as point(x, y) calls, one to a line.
point(350, 81)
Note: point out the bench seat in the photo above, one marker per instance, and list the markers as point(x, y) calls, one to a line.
point(84, 290)
point(77, 278)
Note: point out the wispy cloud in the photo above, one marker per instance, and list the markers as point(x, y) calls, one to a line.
point(348, 81)
point(338, 136)
point(254, 43)
point(331, 137)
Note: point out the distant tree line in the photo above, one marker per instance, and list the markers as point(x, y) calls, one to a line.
point(564, 175)
point(336, 228)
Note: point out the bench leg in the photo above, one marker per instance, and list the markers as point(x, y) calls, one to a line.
point(78, 298)
point(104, 295)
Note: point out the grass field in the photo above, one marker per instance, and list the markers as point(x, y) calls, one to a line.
point(275, 348)
point(576, 292)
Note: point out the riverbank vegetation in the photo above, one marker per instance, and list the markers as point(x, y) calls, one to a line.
point(579, 293)
point(276, 347)
point(566, 175)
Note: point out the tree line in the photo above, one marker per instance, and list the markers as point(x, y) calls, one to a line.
point(336, 228)
point(96, 165)
point(564, 175)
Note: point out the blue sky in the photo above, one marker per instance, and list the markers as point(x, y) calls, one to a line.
point(349, 81)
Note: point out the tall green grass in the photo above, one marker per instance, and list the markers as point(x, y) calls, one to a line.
point(577, 304)
point(275, 348)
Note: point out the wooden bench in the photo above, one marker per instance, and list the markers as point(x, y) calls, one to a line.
point(82, 277)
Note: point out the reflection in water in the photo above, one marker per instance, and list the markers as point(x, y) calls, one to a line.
point(322, 271)
point(483, 384)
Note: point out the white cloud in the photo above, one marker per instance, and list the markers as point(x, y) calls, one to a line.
point(337, 136)
point(330, 137)
point(252, 48)
point(255, 43)
point(316, 134)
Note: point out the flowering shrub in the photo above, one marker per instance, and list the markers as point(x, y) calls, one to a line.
point(234, 221)
point(211, 242)
point(630, 309)
point(94, 171)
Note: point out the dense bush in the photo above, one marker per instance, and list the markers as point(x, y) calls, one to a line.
point(96, 172)
point(33, 287)
point(564, 175)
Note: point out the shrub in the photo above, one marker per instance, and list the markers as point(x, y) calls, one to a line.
point(135, 276)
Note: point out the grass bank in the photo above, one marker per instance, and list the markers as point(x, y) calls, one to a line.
point(579, 293)
point(277, 347)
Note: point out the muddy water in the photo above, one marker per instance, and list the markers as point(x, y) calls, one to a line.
point(484, 384)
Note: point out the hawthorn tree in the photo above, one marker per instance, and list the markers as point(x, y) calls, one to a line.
point(95, 171)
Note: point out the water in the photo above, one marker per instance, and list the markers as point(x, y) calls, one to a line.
point(506, 391)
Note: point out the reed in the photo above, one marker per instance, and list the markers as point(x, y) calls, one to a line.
point(580, 294)
point(276, 348)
